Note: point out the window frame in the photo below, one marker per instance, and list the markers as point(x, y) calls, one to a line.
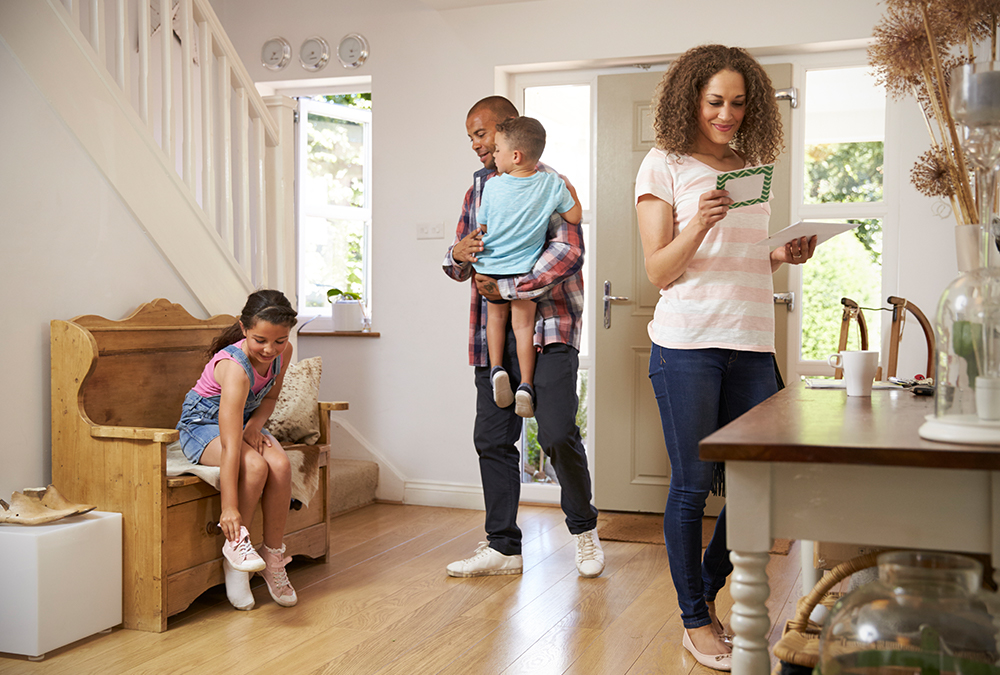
point(305, 105)
point(886, 210)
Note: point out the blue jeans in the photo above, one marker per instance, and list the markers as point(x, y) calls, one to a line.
point(699, 391)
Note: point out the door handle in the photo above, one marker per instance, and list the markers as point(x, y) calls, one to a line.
point(608, 299)
point(786, 299)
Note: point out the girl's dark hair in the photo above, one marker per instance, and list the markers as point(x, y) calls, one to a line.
point(677, 102)
point(266, 305)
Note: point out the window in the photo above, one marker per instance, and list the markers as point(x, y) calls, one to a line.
point(841, 169)
point(334, 198)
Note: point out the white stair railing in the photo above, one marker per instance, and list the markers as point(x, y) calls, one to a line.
point(175, 66)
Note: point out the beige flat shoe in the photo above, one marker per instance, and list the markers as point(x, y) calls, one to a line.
point(29, 511)
point(723, 662)
point(51, 498)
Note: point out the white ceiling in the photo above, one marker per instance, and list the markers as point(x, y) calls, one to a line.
point(464, 4)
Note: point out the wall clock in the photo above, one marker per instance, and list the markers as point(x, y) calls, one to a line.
point(276, 53)
point(314, 53)
point(353, 50)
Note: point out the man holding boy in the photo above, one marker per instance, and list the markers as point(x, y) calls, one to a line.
point(556, 283)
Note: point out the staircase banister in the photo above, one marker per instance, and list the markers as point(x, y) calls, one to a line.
point(205, 14)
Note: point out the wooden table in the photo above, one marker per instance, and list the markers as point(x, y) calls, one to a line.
point(815, 464)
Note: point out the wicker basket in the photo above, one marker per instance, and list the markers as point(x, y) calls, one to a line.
point(799, 643)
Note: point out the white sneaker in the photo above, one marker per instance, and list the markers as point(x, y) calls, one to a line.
point(486, 562)
point(502, 395)
point(589, 554)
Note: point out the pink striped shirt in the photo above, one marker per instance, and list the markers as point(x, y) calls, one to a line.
point(725, 298)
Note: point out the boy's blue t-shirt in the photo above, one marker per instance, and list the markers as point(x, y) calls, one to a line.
point(516, 211)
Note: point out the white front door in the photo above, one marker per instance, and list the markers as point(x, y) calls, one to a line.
point(632, 471)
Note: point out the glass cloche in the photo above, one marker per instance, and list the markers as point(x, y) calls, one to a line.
point(967, 363)
point(925, 615)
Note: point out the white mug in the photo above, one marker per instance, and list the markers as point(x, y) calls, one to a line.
point(988, 398)
point(859, 370)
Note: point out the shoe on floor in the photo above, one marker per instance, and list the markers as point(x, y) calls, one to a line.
point(237, 587)
point(486, 562)
point(723, 662)
point(502, 395)
point(524, 401)
point(242, 555)
point(589, 554)
point(274, 574)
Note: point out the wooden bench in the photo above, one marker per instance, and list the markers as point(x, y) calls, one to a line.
point(117, 389)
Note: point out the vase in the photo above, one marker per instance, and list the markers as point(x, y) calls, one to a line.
point(967, 336)
point(926, 614)
point(975, 104)
point(348, 316)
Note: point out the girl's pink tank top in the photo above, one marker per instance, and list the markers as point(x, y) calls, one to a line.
point(207, 385)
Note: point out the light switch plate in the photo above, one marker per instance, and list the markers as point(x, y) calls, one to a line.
point(430, 231)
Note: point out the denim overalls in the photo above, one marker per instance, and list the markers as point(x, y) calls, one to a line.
point(199, 423)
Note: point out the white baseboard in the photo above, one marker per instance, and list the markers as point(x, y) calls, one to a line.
point(450, 495)
point(457, 496)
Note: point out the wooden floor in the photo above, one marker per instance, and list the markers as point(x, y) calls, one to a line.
point(382, 603)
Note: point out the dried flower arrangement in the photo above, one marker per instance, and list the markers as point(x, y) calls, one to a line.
point(915, 46)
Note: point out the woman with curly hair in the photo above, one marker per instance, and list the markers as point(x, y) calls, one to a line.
point(712, 356)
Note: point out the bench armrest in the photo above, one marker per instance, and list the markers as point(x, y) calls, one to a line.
point(135, 433)
point(327, 406)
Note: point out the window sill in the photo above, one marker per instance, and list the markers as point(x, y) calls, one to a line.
point(338, 333)
point(323, 326)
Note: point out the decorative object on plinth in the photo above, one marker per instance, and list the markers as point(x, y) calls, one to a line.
point(927, 613)
point(25, 511)
point(348, 311)
point(39, 506)
point(51, 498)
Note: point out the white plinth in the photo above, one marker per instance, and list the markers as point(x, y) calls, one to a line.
point(60, 582)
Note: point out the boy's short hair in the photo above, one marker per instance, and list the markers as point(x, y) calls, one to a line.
point(525, 134)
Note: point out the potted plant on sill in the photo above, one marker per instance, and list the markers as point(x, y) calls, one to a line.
point(347, 311)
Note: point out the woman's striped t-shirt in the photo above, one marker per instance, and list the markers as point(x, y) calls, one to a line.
point(725, 297)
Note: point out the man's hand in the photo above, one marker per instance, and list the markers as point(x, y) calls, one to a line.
point(488, 287)
point(467, 247)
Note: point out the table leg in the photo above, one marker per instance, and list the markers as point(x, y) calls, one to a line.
point(810, 575)
point(749, 619)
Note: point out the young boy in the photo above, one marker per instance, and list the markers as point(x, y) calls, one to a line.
point(514, 216)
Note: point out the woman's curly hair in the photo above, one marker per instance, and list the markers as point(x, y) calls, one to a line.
point(677, 102)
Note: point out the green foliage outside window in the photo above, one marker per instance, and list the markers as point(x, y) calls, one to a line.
point(848, 172)
point(334, 250)
point(845, 266)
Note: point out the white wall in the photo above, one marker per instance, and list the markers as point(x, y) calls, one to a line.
point(411, 390)
point(69, 247)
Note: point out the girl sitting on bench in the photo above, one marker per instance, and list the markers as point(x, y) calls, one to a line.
point(222, 425)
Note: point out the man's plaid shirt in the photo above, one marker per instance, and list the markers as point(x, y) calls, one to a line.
point(556, 280)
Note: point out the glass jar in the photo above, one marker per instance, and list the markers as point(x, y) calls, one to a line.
point(967, 362)
point(926, 614)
